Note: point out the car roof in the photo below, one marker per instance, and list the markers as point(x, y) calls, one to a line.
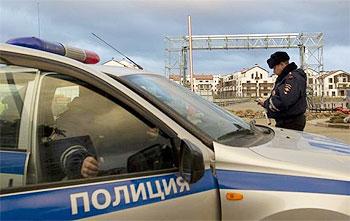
point(108, 69)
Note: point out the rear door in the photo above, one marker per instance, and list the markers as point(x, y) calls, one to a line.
point(16, 97)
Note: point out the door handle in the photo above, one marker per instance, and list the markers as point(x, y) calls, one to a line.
point(10, 182)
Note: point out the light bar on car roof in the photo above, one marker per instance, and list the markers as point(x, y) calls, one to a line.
point(85, 56)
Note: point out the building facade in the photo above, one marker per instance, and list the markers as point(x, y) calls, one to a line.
point(253, 82)
point(203, 84)
point(256, 82)
point(328, 83)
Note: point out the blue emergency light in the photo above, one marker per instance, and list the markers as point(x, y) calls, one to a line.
point(85, 56)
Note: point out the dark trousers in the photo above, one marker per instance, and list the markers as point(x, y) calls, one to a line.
point(294, 123)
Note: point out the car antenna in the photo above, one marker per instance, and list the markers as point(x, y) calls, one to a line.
point(138, 66)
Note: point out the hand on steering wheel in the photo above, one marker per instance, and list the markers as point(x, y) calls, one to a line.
point(89, 168)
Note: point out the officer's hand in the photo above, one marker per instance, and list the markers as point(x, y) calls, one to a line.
point(89, 167)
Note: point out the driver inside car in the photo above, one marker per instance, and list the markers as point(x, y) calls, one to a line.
point(93, 121)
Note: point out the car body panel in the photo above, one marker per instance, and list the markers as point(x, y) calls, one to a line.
point(13, 168)
point(90, 200)
point(293, 175)
point(277, 205)
point(55, 202)
point(274, 177)
point(330, 156)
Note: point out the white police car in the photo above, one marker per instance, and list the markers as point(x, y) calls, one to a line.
point(162, 152)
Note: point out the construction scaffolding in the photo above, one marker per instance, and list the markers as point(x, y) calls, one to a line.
point(310, 46)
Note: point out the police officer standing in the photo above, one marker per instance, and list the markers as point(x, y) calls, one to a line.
point(287, 102)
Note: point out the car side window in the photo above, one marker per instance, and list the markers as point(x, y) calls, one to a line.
point(16, 89)
point(82, 132)
point(13, 89)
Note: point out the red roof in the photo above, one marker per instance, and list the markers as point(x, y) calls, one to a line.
point(175, 77)
point(203, 77)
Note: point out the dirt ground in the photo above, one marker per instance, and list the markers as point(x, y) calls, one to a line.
point(338, 133)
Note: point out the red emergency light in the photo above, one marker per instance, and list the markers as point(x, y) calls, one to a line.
point(85, 56)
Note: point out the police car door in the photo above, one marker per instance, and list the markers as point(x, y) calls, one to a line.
point(16, 93)
point(137, 159)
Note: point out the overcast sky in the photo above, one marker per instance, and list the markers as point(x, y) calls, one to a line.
point(138, 28)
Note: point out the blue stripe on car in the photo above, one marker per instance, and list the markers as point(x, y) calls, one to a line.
point(56, 204)
point(12, 162)
point(337, 148)
point(274, 182)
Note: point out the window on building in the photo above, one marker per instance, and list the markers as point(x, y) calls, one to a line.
point(330, 86)
point(311, 81)
point(261, 76)
point(330, 80)
point(333, 93)
point(252, 76)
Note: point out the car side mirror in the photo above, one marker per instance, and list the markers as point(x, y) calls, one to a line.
point(191, 166)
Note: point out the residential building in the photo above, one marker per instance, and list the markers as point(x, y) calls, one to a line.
point(176, 78)
point(334, 83)
point(328, 83)
point(256, 82)
point(252, 82)
point(313, 85)
point(215, 83)
point(203, 84)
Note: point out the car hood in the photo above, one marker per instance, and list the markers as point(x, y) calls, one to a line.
point(329, 157)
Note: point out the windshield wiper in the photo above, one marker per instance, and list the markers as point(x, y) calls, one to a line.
point(253, 127)
point(241, 130)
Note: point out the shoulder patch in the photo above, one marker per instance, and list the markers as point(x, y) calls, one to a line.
point(287, 88)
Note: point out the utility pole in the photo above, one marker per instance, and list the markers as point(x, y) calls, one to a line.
point(190, 47)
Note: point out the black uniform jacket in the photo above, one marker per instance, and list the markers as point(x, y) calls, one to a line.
point(288, 97)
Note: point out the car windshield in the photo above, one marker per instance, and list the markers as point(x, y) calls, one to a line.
point(212, 120)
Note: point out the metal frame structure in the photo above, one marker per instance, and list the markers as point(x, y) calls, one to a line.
point(309, 44)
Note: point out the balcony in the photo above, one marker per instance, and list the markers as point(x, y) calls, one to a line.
point(343, 85)
point(266, 85)
point(249, 90)
point(248, 85)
